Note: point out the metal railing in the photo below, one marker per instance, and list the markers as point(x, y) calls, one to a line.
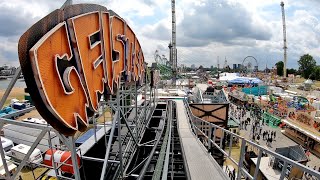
point(218, 96)
point(208, 133)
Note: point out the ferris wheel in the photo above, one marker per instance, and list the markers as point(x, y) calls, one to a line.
point(249, 64)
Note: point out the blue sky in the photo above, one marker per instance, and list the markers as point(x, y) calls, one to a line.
point(206, 29)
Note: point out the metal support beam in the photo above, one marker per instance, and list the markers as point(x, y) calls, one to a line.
point(284, 169)
point(52, 160)
point(129, 128)
point(144, 169)
point(258, 165)
point(18, 113)
point(105, 163)
point(4, 162)
point(119, 132)
point(74, 158)
point(166, 162)
point(242, 153)
point(10, 86)
point(26, 157)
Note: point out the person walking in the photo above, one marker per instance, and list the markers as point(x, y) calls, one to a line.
point(265, 135)
point(234, 174)
point(305, 144)
point(308, 153)
point(274, 134)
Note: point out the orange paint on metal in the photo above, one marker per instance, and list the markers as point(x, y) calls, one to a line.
point(89, 54)
point(65, 105)
point(117, 29)
point(130, 42)
point(105, 23)
point(136, 61)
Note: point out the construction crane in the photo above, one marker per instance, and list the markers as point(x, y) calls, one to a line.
point(284, 41)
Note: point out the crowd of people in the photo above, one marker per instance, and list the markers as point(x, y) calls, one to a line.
point(256, 126)
point(309, 176)
point(269, 137)
point(252, 123)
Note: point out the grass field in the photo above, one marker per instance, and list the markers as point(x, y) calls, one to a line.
point(17, 93)
point(301, 80)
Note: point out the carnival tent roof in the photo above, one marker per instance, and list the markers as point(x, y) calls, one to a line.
point(245, 80)
point(308, 81)
point(228, 76)
point(239, 95)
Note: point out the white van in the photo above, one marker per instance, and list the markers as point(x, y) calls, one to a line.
point(7, 144)
point(19, 151)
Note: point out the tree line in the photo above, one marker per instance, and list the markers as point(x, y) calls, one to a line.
point(308, 68)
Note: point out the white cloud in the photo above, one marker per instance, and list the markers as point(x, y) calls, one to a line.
point(248, 27)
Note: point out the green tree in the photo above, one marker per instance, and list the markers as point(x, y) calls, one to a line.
point(315, 75)
point(291, 71)
point(279, 66)
point(306, 65)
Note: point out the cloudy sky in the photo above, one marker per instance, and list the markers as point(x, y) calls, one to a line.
point(206, 29)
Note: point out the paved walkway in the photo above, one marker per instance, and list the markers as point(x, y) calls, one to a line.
point(200, 163)
point(280, 141)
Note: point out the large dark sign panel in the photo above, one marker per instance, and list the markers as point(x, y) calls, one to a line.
point(73, 56)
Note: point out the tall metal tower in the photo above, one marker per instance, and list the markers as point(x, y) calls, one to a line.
point(225, 62)
point(284, 41)
point(173, 40)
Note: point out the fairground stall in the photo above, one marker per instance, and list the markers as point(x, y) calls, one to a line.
point(302, 124)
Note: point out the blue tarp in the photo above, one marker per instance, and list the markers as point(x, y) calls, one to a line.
point(86, 136)
point(245, 80)
point(257, 91)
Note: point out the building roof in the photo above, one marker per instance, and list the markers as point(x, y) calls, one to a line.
point(295, 153)
point(232, 123)
point(239, 95)
point(308, 133)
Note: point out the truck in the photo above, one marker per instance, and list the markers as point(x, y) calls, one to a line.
point(19, 151)
point(26, 135)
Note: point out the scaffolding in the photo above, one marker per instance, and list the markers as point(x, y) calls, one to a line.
point(112, 143)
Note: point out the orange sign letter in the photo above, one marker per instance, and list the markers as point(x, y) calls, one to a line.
point(58, 81)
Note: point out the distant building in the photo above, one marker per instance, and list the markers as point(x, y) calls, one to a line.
point(7, 71)
point(235, 66)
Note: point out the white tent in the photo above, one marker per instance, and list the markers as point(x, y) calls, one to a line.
point(228, 76)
